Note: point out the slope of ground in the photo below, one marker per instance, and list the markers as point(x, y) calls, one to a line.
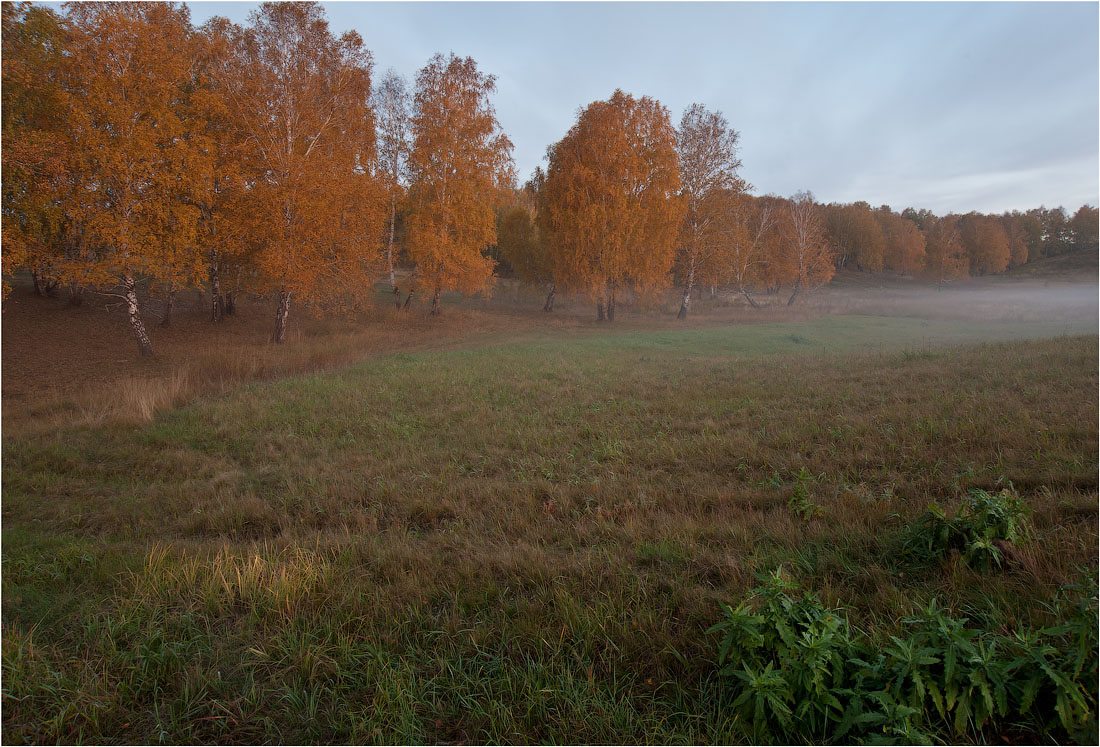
point(523, 542)
point(61, 363)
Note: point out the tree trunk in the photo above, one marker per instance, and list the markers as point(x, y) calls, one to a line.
point(37, 280)
point(51, 287)
point(396, 298)
point(279, 335)
point(790, 301)
point(167, 320)
point(436, 310)
point(611, 307)
point(229, 300)
point(685, 302)
point(751, 300)
point(215, 290)
point(599, 310)
point(76, 295)
point(549, 305)
point(136, 324)
point(408, 300)
point(389, 248)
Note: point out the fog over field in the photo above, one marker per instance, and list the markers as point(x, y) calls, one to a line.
point(1024, 301)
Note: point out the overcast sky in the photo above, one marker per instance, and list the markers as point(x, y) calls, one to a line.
point(946, 106)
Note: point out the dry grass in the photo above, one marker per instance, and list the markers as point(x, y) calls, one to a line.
point(63, 365)
point(503, 525)
point(520, 542)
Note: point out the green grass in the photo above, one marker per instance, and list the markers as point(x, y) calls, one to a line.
point(524, 543)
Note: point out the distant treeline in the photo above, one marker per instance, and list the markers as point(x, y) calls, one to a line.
point(266, 158)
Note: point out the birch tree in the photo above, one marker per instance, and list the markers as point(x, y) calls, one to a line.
point(34, 137)
point(136, 159)
point(707, 149)
point(904, 242)
point(945, 255)
point(392, 107)
point(753, 243)
point(612, 205)
point(986, 244)
point(856, 235)
point(301, 96)
point(459, 163)
point(806, 258)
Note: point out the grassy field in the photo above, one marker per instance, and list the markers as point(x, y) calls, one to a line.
point(528, 542)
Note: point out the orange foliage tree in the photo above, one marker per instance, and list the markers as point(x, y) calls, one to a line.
point(136, 158)
point(611, 202)
point(945, 257)
point(710, 187)
point(1020, 229)
point(459, 163)
point(986, 244)
point(904, 242)
point(856, 235)
point(229, 224)
point(805, 258)
point(1085, 228)
point(524, 248)
point(301, 97)
point(753, 243)
point(33, 131)
point(524, 238)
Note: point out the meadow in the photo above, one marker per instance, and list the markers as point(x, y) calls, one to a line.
point(529, 538)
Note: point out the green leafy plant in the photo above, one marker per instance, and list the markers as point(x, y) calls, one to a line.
point(801, 501)
point(802, 673)
point(982, 522)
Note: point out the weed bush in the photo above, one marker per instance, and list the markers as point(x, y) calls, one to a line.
point(982, 520)
point(802, 673)
point(801, 501)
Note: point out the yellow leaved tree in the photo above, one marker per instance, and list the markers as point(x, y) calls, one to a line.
point(459, 163)
point(805, 258)
point(712, 235)
point(34, 164)
point(611, 205)
point(301, 97)
point(137, 158)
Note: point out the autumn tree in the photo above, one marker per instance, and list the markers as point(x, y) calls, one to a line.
point(1055, 235)
point(393, 109)
point(754, 241)
point(521, 238)
point(229, 225)
point(611, 204)
point(524, 238)
point(134, 159)
point(523, 248)
point(903, 242)
point(986, 244)
point(1085, 228)
point(301, 97)
point(34, 136)
point(709, 186)
point(459, 162)
point(923, 218)
point(1022, 231)
point(805, 258)
point(945, 257)
point(857, 236)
